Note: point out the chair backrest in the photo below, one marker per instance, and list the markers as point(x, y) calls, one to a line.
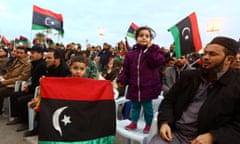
point(116, 93)
point(17, 87)
point(37, 91)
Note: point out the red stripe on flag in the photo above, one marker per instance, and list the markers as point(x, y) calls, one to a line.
point(196, 36)
point(134, 26)
point(82, 89)
point(5, 40)
point(47, 12)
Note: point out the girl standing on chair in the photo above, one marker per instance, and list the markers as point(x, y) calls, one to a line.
point(140, 72)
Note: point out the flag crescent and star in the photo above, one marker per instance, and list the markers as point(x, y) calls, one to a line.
point(55, 119)
point(186, 33)
point(48, 21)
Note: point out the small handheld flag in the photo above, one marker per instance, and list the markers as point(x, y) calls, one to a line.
point(132, 30)
point(4, 40)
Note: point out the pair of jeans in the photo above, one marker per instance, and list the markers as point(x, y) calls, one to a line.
point(147, 111)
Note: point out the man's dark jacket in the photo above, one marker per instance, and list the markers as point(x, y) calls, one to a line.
point(38, 70)
point(220, 113)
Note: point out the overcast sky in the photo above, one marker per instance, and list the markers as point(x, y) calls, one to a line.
point(83, 18)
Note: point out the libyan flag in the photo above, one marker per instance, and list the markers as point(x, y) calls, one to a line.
point(44, 19)
point(132, 30)
point(76, 111)
point(5, 40)
point(186, 36)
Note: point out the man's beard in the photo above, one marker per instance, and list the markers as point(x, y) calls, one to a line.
point(179, 65)
point(215, 69)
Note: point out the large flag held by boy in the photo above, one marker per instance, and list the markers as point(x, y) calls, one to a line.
point(186, 36)
point(44, 19)
point(76, 110)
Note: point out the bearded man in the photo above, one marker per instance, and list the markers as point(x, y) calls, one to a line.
point(203, 107)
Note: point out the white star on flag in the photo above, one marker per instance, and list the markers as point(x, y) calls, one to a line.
point(66, 120)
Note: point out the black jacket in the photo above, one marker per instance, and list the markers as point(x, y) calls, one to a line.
point(61, 71)
point(220, 113)
point(38, 69)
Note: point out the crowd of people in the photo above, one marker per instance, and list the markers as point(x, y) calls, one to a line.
point(201, 99)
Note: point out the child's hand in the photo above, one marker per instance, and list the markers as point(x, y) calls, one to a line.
point(120, 85)
point(33, 103)
point(149, 45)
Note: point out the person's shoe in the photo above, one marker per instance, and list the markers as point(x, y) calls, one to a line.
point(146, 129)
point(33, 132)
point(131, 126)
point(13, 122)
point(22, 127)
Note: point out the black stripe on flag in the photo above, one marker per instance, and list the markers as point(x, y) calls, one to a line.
point(71, 120)
point(47, 21)
point(186, 38)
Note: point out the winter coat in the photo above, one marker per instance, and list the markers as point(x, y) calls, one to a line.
point(19, 70)
point(37, 71)
point(220, 113)
point(140, 72)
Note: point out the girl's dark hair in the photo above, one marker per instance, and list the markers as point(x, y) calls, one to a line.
point(78, 59)
point(151, 31)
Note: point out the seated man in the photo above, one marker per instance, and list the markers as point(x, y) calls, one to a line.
point(56, 67)
point(203, 107)
point(19, 100)
point(19, 70)
point(172, 74)
point(236, 63)
point(3, 57)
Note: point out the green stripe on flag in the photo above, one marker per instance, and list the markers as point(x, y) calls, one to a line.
point(131, 35)
point(38, 27)
point(103, 140)
point(176, 36)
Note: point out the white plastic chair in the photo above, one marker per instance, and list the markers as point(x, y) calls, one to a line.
point(17, 88)
point(116, 93)
point(31, 112)
point(138, 135)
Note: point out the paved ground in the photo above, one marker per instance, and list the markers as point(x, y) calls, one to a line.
point(8, 135)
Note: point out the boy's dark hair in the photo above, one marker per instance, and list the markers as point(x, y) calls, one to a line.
point(151, 31)
point(77, 59)
point(22, 48)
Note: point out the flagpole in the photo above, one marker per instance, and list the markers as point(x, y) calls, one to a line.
point(193, 63)
point(31, 38)
point(58, 37)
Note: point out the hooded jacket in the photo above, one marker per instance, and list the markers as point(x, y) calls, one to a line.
point(140, 72)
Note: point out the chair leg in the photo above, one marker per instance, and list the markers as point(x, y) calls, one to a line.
point(130, 141)
point(10, 118)
point(30, 119)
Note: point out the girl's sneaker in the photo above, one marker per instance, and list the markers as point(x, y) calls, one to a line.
point(146, 129)
point(131, 126)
